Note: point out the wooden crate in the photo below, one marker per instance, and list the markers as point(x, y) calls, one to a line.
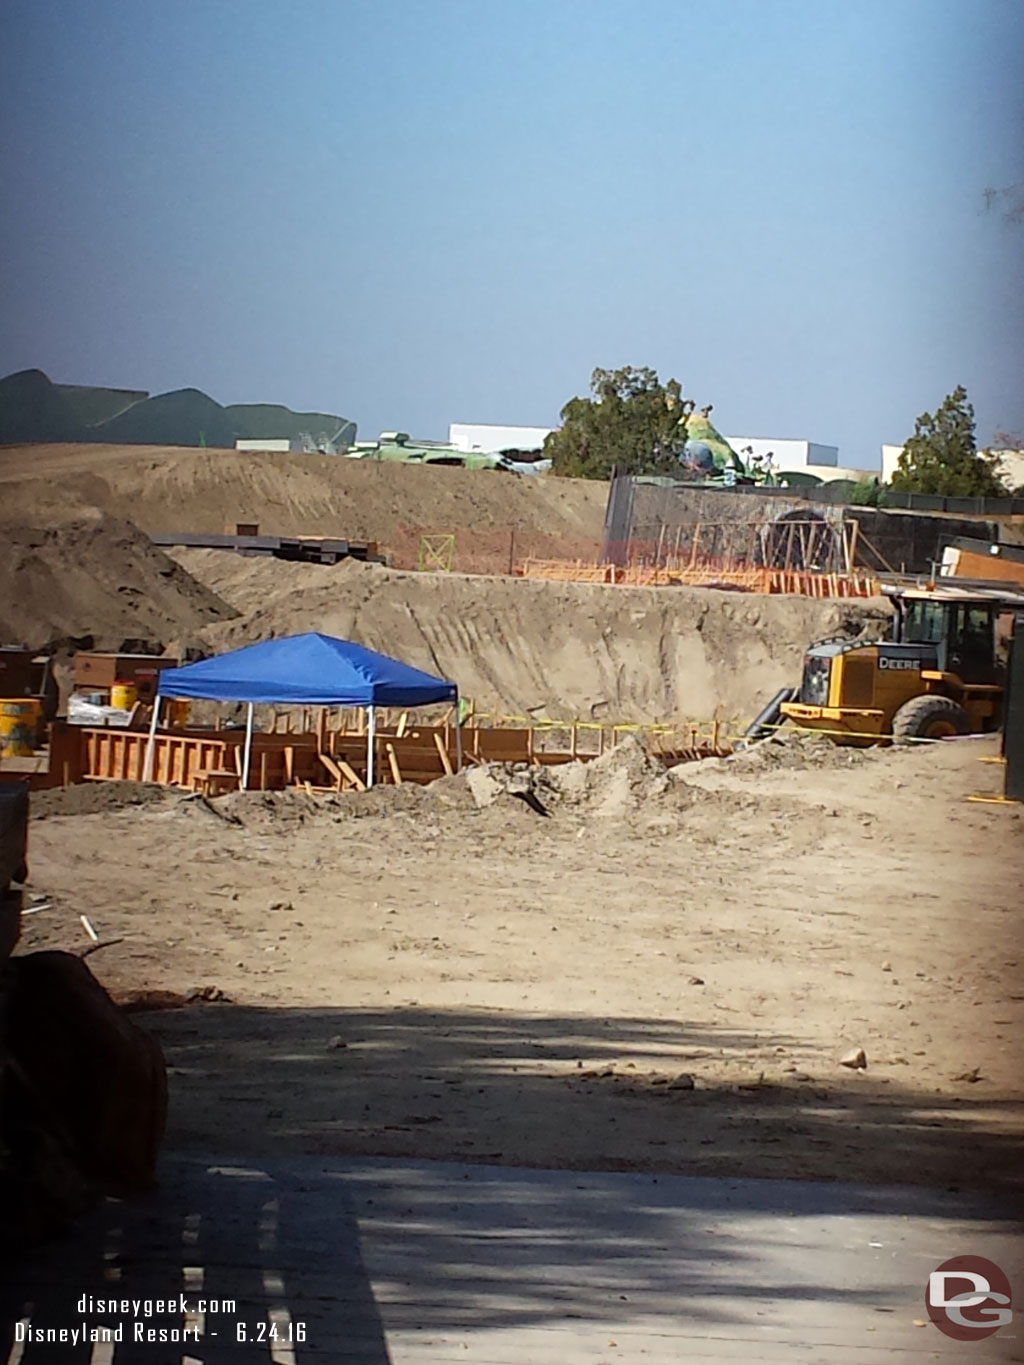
point(101, 671)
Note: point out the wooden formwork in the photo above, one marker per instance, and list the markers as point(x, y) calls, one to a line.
point(323, 758)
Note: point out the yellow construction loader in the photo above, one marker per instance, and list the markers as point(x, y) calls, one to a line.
point(941, 672)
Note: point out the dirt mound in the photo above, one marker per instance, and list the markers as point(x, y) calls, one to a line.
point(95, 798)
point(624, 781)
point(611, 785)
point(284, 810)
point(96, 579)
point(796, 749)
point(168, 489)
point(560, 650)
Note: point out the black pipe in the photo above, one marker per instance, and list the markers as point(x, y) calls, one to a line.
point(768, 720)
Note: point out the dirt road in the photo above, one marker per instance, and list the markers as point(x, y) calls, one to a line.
point(659, 975)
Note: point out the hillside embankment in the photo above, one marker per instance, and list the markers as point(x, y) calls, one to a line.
point(559, 650)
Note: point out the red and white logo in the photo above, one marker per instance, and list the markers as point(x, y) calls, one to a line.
point(968, 1298)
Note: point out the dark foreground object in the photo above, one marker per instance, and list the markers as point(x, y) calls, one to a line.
point(83, 1096)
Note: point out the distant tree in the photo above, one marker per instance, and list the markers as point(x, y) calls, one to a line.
point(866, 493)
point(941, 457)
point(632, 421)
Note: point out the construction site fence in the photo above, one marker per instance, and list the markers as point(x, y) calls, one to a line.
point(484, 551)
point(652, 561)
point(803, 582)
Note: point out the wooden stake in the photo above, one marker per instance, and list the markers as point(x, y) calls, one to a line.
point(341, 771)
point(396, 772)
point(853, 525)
point(446, 762)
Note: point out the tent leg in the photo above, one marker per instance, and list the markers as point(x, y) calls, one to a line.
point(248, 749)
point(147, 767)
point(371, 730)
point(458, 740)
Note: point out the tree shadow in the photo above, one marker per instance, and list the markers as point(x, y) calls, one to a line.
point(554, 1092)
point(298, 1189)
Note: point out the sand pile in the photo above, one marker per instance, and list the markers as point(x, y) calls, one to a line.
point(97, 580)
point(611, 785)
point(624, 779)
point(796, 749)
point(285, 811)
point(96, 798)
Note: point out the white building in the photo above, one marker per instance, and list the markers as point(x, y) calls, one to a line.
point(304, 443)
point(270, 443)
point(798, 457)
point(491, 439)
point(787, 455)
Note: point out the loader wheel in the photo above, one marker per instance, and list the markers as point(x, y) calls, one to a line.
point(929, 717)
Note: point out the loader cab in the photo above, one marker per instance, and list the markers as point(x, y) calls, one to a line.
point(962, 632)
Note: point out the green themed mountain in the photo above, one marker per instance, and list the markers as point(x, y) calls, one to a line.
point(34, 409)
point(185, 417)
point(92, 404)
point(255, 421)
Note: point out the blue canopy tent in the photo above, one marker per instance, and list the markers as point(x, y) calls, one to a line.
point(303, 670)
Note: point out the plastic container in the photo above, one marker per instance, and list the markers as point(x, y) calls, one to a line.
point(123, 695)
point(20, 719)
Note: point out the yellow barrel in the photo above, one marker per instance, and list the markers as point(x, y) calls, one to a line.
point(20, 718)
point(123, 695)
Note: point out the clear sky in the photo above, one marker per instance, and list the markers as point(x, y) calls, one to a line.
point(413, 212)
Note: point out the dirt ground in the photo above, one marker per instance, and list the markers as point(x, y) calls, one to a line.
point(661, 972)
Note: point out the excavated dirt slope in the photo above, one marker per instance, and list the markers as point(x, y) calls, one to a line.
point(96, 578)
point(168, 489)
point(516, 646)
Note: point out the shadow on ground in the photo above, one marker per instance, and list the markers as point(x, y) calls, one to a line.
point(554, 1092)
point(275, 1197)
point(212, 1233)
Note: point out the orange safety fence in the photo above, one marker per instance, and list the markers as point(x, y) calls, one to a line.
point(799, 582)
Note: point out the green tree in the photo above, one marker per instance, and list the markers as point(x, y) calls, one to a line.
point(865, 493)
point(941, 457)
point(632, 421)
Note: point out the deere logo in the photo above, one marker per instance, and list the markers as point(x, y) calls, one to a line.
point(893, 662)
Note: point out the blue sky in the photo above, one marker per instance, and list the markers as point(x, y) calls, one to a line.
point(413, 212)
